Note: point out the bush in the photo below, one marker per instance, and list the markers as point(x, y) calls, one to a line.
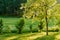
point(46, 38)
point(20, 25)
point(1, 24)
point(34, 29)
point(6, 29)
point(13, 28)
point(26, 29)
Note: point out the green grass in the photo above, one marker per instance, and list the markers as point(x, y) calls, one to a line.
point(3, 36)
point(49, 37)
point(10, 21)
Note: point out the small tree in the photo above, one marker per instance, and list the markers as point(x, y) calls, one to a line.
point(1, 24)
point(20, 25)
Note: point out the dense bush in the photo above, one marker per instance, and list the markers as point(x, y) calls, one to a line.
point(20, 25)
point(1, 24)
point(46, 38)
point(9, 29)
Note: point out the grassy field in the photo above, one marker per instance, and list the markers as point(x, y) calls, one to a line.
point(9, 20)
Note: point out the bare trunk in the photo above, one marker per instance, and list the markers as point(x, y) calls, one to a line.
point(46, 22)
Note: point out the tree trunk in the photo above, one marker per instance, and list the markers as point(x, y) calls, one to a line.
point(46, 22)
point(46, 16)
point(46, 26)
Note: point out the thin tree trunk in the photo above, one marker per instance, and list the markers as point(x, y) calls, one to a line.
point(46, 25)
point(46, 22)
point(46, 14)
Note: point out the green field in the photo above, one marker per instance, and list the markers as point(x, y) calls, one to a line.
point(9, 21)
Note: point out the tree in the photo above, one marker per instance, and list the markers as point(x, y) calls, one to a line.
point(39, 10)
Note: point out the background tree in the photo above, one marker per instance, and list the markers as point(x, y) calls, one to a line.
point(39, 10)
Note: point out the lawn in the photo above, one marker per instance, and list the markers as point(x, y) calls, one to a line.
point(9, 20)
point(30, 36)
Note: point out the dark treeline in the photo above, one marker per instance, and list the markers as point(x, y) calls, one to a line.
point(11, 7)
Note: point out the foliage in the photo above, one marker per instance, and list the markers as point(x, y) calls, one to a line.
point(6, 29)
point(57, 13)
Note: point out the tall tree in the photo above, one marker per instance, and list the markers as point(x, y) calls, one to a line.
point(39, 10)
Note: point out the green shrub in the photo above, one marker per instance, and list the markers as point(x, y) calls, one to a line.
point(20, 25)
point(26, 29)
point(34, 28)
point(46, 38)
point(1, 24)
point(13, 28)
point(6, 29)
